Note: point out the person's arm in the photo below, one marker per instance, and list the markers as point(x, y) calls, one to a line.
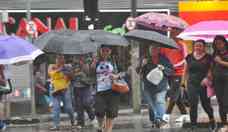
point(2, 80)
point(85, 68)
point(166, 66)
point(209, 74)
point(52, 69)
point(94, 63)
point(68, 71)
point(41, 87)
point(2, 77)
point(185, 75)
point(220, 61)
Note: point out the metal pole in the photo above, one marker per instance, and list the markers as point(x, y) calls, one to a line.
point(133, 8)
point(136, 90)
point(33, 103)
point(28, 6)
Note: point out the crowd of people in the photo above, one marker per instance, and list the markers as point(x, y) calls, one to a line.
point(192, 77)
point(89, 80)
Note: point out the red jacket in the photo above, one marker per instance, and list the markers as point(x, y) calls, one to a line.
point(176, 57)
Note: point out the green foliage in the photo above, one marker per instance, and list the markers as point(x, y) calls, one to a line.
point(119, 30)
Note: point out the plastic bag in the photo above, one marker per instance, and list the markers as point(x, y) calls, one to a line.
point(155, 76)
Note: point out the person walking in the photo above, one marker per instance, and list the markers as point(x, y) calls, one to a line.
point(177, 58)
point(3, 83)
point(83, 86)
point(60, 75)
point(155, 94)
point(106, 100)
point(198, 66)
point(220, 75)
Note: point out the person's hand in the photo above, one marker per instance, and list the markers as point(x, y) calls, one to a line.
point(114, 76)
point(183, 82)
point(202, 83)
point(144, 62)
point(218, 59)
point(161, 67)
point(56, 69)
point(94, 62)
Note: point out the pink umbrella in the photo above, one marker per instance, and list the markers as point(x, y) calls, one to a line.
point(205, 30)
point(160, 21)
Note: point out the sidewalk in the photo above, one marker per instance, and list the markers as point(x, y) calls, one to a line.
point(126, 117)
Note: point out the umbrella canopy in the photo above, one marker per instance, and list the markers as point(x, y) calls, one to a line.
point(107, 38)
point(160, 21)
point(205, 30)
point(151, 37)
point(14, 49)
point(66, 42)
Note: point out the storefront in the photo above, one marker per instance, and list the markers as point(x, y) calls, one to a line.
point(49, 20)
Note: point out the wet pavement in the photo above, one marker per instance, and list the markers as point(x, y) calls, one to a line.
point(122, 128)
point(126, 122)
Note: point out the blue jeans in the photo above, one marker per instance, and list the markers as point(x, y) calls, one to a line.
point(156, 103)
point(84, 102)
point(65, 97)
point(2, 124)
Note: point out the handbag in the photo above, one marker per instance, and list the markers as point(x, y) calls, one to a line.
point(7, 89)
point(120, 86)
point(155, 76)
point(209, 87)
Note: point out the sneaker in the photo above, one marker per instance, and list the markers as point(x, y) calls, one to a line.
point(99, 130)
point(166, 117)
point(72, 122)
point(186, 118)
point(193, 128)
point(161, 124)
point(153, 125)
point(223, 129)
point(79, 126)
point(183, 118)
point(3, 127)
point(54, 128)
point(93, 123)
point(164, 125)
point(212, 125)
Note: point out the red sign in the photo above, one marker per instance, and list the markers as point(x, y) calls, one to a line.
point(41, 27)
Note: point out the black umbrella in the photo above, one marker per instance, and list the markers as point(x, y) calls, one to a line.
point(108, 38)
point(66, 42)
point(102, 37)
point(151, 37)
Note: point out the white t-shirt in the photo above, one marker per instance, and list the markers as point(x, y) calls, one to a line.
point(104, 70)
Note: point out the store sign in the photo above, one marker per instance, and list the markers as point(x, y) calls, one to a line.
point(25, 28)
point(195, 11)
point(42, 27)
